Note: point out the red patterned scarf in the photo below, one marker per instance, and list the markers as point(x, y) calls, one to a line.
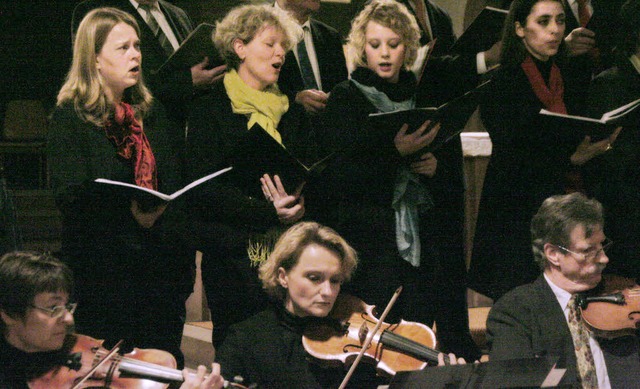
point(126, 134)
point(552, 97)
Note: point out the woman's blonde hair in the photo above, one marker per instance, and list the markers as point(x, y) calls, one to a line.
point(247, 21)
point(290, 246)
point(390, 14)
point(84, 86)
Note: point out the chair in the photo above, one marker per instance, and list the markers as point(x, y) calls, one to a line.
point(25, 132)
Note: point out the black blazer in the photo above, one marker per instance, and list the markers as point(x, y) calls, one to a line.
point(175, 88)
point(79, 152)
point(528, 322)
point(331, 62)
point(604, 23)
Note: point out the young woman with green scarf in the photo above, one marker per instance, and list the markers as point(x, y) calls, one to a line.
point(399, 207)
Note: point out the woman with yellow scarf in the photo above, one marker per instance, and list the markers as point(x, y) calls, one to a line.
point(234, 220)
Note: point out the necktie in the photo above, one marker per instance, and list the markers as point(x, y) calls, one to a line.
point(580, 335)
point(157, 31)
point(305, 64)
point(421, 17)
point(583, 12)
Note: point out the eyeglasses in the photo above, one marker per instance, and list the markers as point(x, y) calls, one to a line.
point(59, 310)
point(590, 255)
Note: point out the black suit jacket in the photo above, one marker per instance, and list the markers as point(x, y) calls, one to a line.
point(174, 89)
point(528, 322)
point(446, 76)
point(614, 177)
point(331, 62)
point(604, 23)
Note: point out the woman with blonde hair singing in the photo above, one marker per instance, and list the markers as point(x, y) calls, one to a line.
point(399, 206)
point(239, 221)
point(133, 273)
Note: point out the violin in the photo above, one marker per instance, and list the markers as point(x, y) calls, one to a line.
point(398, 347)
point(614, 309)
point(90, 365)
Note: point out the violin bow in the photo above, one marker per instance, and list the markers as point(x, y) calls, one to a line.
point(104, 360)
point(369, 338)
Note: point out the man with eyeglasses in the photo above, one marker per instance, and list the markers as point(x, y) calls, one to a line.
point(540, 319)
point(37, 321)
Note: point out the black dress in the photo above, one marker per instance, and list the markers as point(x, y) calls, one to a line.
point(529, 162)
point(227, 212)
point(360, 190)
point(131, 283)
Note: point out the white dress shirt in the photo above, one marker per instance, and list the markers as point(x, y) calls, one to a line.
point(162, 21)
point(311, 49)
point(563, 298)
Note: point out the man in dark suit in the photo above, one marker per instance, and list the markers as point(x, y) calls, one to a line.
point(539, 319)
point(591, 27)
point(614, 177)
point(174, 88)
point(324, 53)
point(447, 75)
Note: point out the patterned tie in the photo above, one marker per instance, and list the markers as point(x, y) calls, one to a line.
point(305, 64)
point(157, 31)
point(583, 12)
point(580, 335)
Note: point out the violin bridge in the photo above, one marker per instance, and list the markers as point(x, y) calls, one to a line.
point(363, 332)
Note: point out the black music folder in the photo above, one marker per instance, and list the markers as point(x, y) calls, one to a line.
point(482, 33)
point(452, 116)
point(260, 154)
point(197, 45)
point(516, 373)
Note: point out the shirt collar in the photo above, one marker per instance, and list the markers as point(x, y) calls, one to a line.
point(156, 5)
point(575, 2)
point(562, 295)
point(635, 61)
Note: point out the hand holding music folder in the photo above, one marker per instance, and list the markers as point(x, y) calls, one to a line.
point(197, 45)
point(260, 154)
point(601, 128)
point(452, 116)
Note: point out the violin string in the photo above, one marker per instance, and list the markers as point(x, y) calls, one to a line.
point(410, 346)
point(104, 360)
point(140, 363)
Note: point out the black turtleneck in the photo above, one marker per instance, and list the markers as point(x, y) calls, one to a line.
point(403, 90)
point(544, 67)
point(18, 367)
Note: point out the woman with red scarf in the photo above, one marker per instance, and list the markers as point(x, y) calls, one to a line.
point(531, 160)
point(132, 272)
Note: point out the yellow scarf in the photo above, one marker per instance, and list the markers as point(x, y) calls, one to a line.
point(263, 107)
